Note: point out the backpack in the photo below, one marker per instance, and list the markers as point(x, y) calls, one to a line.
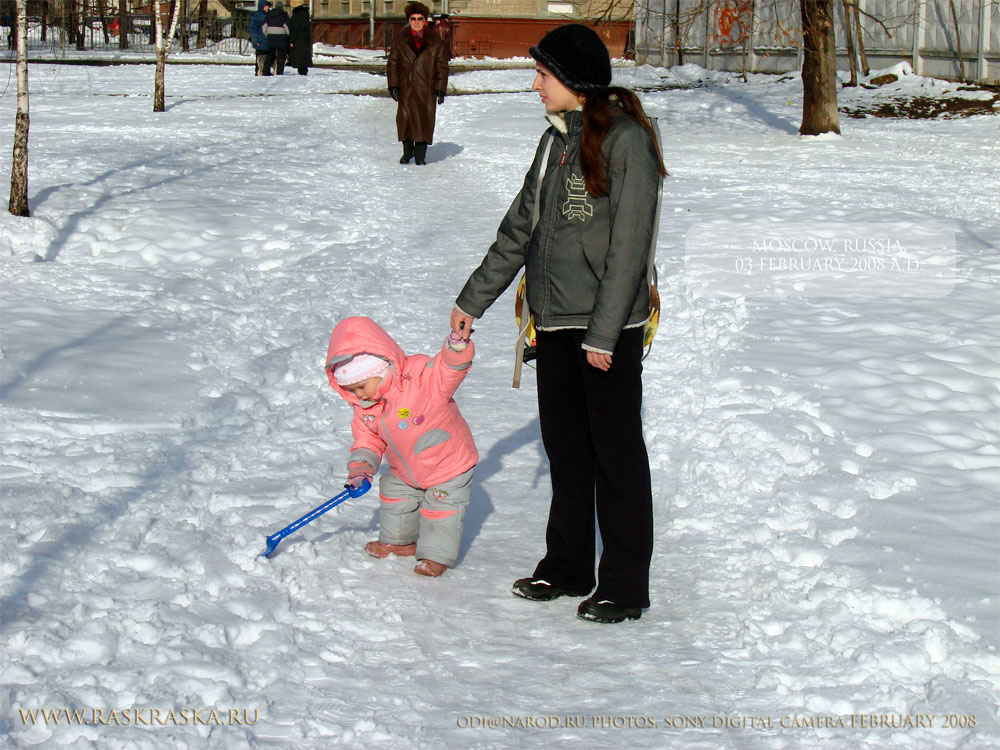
point(524, 348)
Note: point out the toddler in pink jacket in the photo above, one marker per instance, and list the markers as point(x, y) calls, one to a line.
point(404, 410)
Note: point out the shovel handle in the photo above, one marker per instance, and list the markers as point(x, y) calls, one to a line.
point(349, 492)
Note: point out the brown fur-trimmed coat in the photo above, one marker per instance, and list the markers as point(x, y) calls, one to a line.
point(418, 76)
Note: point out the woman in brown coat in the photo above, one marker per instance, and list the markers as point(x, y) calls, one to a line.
point(417, 73)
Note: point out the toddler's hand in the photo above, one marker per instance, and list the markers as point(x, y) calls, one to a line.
point(456, 343)
point(357, 478)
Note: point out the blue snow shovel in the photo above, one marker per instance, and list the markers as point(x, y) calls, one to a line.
point(276, 537)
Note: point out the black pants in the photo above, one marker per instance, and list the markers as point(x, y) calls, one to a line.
point(592, 433)
point(276, 57)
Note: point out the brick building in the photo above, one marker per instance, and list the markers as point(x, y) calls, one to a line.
point(482, 28)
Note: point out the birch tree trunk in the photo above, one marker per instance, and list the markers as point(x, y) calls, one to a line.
point(819, 69)
point(19, 166)
point(163, 42)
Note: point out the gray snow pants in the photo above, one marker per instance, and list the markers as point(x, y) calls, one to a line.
point(260, 66)
point(431, 516)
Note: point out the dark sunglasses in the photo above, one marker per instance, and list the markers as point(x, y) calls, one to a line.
point(417, 18)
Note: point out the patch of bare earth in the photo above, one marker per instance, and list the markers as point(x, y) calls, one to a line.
point(927, 107)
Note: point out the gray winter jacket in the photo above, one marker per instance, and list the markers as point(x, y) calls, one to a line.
point(586, 261)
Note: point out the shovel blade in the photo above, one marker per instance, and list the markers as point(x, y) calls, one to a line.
point(272, 545)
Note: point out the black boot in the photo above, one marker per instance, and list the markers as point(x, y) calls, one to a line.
point(538, 590)
point(420, 152)
point(407, 152)
point(605, 611)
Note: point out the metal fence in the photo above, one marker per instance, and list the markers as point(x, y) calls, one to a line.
point(134, 33)
point(765, 36)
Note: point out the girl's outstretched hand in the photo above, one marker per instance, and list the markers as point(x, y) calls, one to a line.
point(461, 323)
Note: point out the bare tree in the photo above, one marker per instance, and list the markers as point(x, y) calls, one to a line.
point(851, 50)
point(958, 40)
point(602, 11)
point(819, 69)
point(733, 23)
point(678, 43)
point(163, 42)
point(104, 21)
point(124, 24)
point(865, 68)
point(202, 22)
point(81, 24)
point(19, 166)
point(185, 31)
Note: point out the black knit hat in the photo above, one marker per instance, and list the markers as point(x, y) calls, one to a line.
point(576, 55)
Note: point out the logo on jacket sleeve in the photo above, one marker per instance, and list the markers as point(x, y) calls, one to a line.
point(577, 205)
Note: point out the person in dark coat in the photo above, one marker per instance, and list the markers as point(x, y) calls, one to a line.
point(259, 39)
point(300, 44)
point(276, 24)
point(417, 74)
point(443, 29)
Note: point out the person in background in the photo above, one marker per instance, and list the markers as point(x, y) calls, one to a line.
point(443, 29)
point(300, 44)
point(276, 27)
point(259, 39)
point(417, 74)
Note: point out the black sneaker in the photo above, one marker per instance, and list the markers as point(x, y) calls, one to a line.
point(539, 590)
point(605, 611)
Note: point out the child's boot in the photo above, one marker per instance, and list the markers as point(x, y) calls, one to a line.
point(382, 550)
point(430, 568)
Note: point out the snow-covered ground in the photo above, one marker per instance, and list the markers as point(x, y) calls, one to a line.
point(825, 467)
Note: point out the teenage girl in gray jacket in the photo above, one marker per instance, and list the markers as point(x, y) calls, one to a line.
point(583, 238)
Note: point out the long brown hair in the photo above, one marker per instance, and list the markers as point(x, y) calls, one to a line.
point(599, 110)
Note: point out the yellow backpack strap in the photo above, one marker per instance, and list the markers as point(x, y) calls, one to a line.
point(651, 277)
point(520, 343)
point(525, 319)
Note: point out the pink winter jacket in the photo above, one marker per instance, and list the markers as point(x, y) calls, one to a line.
point(415, 422)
